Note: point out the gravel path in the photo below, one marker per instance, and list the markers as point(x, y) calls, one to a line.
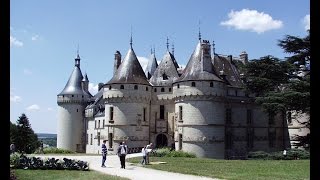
point(132, 172)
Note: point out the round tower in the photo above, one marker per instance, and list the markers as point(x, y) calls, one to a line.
point(71, 104)
point(199, 106)
point(127, 105)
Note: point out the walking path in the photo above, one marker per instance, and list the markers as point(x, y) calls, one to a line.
point(132, 172)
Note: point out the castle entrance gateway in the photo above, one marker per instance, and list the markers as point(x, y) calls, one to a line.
point(161, 141)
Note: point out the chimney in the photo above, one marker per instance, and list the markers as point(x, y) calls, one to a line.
point(100, 85)
point(117, 61)
point(244, 57)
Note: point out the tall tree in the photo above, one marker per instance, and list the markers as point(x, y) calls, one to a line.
point(26, 140)
point(298, 47)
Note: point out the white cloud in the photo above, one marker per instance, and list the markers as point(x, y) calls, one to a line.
point(50, 109)
point(27, 72)
point(33, 107)
point(251, 20)
point(143, 62)
point(14, 98)
point(15, 42)
point(35, 37)
point(306, 22)
point(93, 89)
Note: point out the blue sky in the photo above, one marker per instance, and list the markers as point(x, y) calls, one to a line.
point(44, 36)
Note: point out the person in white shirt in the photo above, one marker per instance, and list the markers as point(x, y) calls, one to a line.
point(148, 149)
point(144, 155)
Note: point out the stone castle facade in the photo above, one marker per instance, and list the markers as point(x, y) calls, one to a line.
point(201, 109)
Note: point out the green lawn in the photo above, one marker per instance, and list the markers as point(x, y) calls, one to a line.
point(234, 169)
point(62, 175)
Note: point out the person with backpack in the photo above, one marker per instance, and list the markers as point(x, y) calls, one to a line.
point(122, 152)
point(104, 153)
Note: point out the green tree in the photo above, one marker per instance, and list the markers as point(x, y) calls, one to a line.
point(298, 47)
point(13, 132)
point(26, 140)
point(280, 86)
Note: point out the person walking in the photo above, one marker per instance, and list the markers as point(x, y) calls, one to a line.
point(144, 155)
point(122, 152)
point(104, 153)
point(148, 150)
point(12, 148)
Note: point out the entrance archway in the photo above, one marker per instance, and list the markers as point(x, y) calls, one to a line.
point(161, 141)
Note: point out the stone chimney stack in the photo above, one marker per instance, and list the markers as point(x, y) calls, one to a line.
point(244, 57)
point(117, 61)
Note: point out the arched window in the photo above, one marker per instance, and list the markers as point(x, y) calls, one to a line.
point(110, 87)
point(178, 85)
point(155, 89)
point(193, 84)
point(135, 87)
point(211, 84)
point(121, 86)
point(162, 89)
point(169, 89)
point(147, 89)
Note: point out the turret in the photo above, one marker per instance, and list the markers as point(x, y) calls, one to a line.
point(71, 103)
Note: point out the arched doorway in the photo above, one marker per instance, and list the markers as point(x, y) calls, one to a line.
point(161, 141)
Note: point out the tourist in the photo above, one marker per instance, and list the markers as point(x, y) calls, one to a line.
point(144, 155)
point(149, 150)
point(122, 151)
point(104, 153)
point(41, 147)
point(12, 148)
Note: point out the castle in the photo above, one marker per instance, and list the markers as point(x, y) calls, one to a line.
point(201, 109)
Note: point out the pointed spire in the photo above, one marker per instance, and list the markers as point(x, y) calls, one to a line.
point(77, 59)
point(213, 48)
point(199, 32)
point(167, 43)
point(154, 49)
point(131, 38)
point(172, 48)
point(151, 49)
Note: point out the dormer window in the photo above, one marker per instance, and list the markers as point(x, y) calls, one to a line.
point(164, 76)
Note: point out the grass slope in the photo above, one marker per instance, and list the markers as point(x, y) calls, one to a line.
point(234, 169)
point(62, 175)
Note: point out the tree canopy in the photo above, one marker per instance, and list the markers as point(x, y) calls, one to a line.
point(22, 135)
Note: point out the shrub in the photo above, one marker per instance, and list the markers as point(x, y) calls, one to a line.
point(14, 160)
point(292, 154)
point(258, 155)
point(54, 150)
point(165, 152)
point(25, 162)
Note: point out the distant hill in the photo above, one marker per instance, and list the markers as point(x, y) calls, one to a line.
point(46, 135)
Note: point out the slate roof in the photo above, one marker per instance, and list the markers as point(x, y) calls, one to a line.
point(166, 73)
point(129, 71)
point(152, 66)
point(195, 68)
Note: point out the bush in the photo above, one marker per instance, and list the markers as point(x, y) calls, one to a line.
point(54, 150)
point(258, 155)
point(25, 162)
point(292, 154)
point(14, 160)
point(165, 152)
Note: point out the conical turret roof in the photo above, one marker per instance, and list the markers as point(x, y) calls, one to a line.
point(199, 67)
point(130, 71)
point(166, 73)
point(73, 85)
point(152, 66)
